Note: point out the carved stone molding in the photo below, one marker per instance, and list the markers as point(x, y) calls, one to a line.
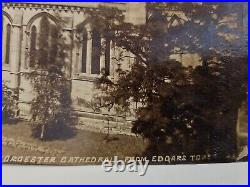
point(49, 6)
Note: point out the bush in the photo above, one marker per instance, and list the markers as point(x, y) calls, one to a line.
point(9, 105)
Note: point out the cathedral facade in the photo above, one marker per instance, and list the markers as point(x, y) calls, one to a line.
point(22, 25)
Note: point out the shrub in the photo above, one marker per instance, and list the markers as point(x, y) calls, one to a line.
point(9, 105)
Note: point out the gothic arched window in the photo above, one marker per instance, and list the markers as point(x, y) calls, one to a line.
point(7, 47)
point(96, 52)
point(84, 52)
point(53, 43)
point(43, 41)
point(107, 57)
point(33, 37)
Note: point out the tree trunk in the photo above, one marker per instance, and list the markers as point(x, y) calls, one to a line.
point(42, 132)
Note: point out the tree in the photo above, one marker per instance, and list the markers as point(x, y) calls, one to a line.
point(181, 109)
point(10, 103)
point(51, 106)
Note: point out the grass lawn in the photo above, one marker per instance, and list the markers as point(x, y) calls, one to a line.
point(82, 144)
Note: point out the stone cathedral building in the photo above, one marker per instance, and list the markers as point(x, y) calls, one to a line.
point(22, 24)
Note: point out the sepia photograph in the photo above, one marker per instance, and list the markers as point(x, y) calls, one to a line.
point(88, 83)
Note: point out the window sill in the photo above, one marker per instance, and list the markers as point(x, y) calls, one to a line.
point(88, 77)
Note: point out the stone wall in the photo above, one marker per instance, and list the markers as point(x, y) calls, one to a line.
point(21, 17)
